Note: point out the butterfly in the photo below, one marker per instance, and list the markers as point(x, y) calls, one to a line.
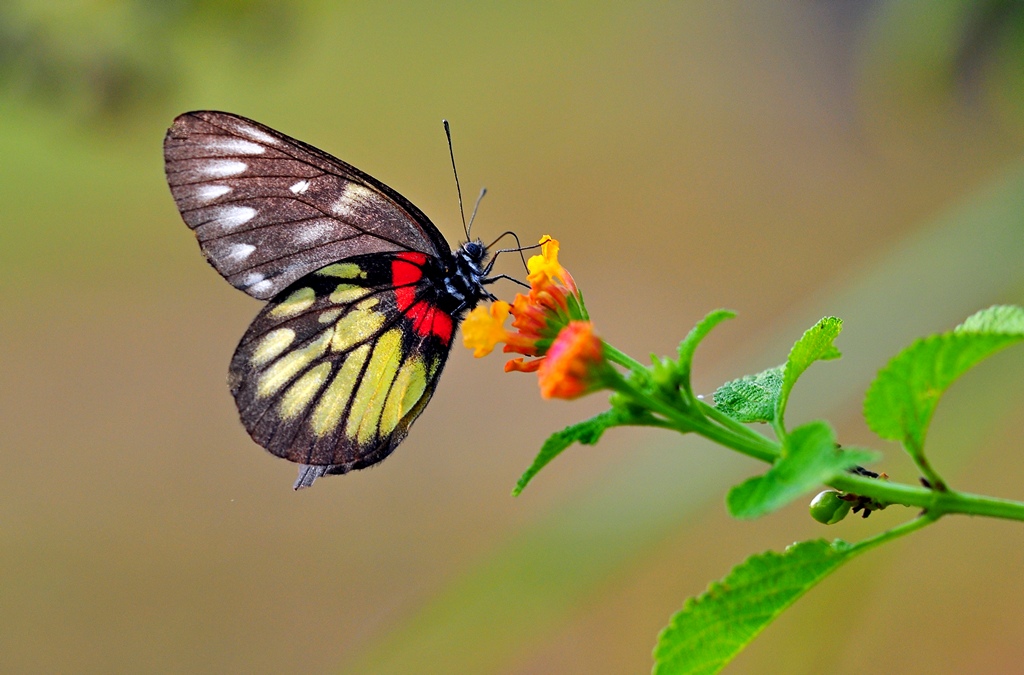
point(364, 292)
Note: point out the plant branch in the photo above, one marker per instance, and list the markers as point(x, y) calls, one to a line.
point(621, 358)
point(934, 502)
point(894, 533)
point(917, 454)
point(738, 428)
point(685, 422)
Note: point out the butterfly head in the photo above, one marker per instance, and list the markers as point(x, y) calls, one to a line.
point(467, 279)
point(473, 251)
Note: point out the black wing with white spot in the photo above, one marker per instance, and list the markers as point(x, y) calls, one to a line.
point(269, 209)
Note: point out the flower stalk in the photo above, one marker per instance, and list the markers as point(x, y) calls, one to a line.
point(552, 332)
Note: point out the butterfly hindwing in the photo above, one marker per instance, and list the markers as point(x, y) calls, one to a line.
point(268, 209)
point(336, 368)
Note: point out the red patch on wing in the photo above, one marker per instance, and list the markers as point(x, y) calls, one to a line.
point(406, 272)
point(427, 319)
point(442, 326)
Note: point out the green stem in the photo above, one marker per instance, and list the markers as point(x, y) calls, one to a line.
point(735, 435)
point(621, 358)
point(934, 502)
point(738, 428)
point(711, 423)
point(685, 422)
point(917, 454)
point(895, 533)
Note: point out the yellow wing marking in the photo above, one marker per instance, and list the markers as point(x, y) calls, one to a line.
point(434, 363)
point(356, 326)
point(408, 389)
point(343, 271)
point(286, 367)
point(332, 404)
point(295, 303)
point(272, 344)
point(368, 402)
point(346, 293)
point(330, 315)
point(302, 392)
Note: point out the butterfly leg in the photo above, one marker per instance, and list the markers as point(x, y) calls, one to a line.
point(491, 280)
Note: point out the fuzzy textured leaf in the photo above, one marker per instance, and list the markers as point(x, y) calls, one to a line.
point(814, 345)
point(752, 398)
point(714, 627)
point(587, 432)
point(1001, 319)
point(901, 401)
point(688, 346)
point(809, 459)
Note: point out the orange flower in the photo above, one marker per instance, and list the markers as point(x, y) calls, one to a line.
point(537, 317)
point(550, 323)
point(544, 269)
point(483, 330)
point(574, 364)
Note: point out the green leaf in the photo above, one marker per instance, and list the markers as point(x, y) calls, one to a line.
point(814, 345)
point(901, 401)
point(587, 432)
point(689, 344)
point(714, 627)
point(999, 319)
point(751, 398)
point(809, 458)
point(763, 397)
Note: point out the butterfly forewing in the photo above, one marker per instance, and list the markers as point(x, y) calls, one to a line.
point(268, 209)
point(334, 370)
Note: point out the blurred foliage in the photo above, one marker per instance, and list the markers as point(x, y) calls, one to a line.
point(924, 53)
point(98, 59)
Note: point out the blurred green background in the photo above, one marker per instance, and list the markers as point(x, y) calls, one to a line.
point(787, 160)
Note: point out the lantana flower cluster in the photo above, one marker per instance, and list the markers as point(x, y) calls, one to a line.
point(550, 325)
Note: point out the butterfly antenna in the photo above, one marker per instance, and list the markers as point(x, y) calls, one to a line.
point(448, 133)
point(476, 206)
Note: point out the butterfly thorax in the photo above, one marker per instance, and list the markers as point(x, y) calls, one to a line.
point(465, 278)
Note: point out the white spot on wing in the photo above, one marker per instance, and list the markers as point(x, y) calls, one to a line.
point(252, 278)
point(239, 252)
point(256, 134)
point(261, 287)
point(315, 231)
point(231, 217)
point(342, 208)
point(207, 193)
point(354, 195)
point(300, 187)
point(234, 146)
point(222, 168)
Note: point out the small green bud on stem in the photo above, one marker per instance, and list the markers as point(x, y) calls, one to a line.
point(828, 507)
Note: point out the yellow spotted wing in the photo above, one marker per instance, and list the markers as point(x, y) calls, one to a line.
point(335, 369)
